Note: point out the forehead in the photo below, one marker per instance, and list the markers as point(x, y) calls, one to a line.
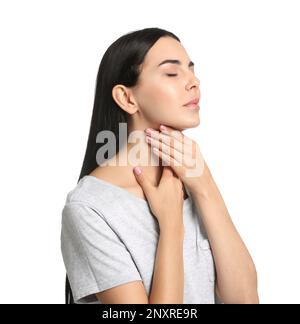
point(164, 48)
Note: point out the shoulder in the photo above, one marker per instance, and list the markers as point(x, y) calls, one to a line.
point(90, 196)
point(119, 177)
point(76, 212)
point(90, 190)
point(86, 197)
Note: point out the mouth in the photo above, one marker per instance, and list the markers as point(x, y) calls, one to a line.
point(193, 104)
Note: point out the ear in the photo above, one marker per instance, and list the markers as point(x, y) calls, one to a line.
point(124, 98)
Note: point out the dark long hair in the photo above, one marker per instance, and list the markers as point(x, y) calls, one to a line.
point(120, 65)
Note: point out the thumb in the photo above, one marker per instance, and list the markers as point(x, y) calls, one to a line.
point(143, 181)
point(167, 173)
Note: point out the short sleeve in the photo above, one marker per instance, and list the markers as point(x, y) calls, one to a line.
point(94, 256)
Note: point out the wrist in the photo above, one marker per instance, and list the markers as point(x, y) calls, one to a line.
point(204, 186)
point(176, 230)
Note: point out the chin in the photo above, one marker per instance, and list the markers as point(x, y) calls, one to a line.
point(181, 124)
point(188, 124)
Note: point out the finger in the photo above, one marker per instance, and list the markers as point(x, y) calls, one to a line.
point(167, 130)
point(167, 173)
point(143, 181)
point(166, 139)
point(167, 159)
point(177, 156)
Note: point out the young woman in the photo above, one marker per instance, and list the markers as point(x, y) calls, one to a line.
point(136, 232)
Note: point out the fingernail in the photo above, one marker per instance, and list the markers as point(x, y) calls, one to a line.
point(162, 127)
point(137, 170)
point(148, 131)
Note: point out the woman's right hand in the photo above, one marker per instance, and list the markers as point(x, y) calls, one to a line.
point(166, 199)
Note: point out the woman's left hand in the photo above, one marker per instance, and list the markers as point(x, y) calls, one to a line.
point(182, 154)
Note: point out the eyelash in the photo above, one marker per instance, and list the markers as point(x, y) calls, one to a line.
point(172, 75)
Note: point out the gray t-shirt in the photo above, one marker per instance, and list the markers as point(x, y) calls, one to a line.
point(109, 237)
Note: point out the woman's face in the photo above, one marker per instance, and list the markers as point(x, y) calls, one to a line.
point(164, 88)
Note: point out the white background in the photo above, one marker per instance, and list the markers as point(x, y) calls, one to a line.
point(247, 58)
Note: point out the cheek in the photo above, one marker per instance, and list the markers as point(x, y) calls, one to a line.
point(160, 98)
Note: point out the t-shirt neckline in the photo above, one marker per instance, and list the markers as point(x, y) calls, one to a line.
point(124, 191)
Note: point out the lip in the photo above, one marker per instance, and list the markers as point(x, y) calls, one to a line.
point(193, 102)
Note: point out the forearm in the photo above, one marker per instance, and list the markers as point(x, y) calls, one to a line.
point(236, 273)
point(168, 277)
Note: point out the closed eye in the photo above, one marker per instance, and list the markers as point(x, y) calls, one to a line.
point(171, 75)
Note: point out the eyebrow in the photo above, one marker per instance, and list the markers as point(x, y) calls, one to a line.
point(175, 62)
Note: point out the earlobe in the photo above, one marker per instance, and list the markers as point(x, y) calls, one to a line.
point(122, 97)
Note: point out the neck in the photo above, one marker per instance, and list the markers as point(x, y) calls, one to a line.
point(139, 154)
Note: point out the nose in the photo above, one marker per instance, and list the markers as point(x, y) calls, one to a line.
point(193, 82)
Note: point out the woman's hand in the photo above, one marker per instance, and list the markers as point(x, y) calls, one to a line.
point(182, 154)
point(166, 199)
